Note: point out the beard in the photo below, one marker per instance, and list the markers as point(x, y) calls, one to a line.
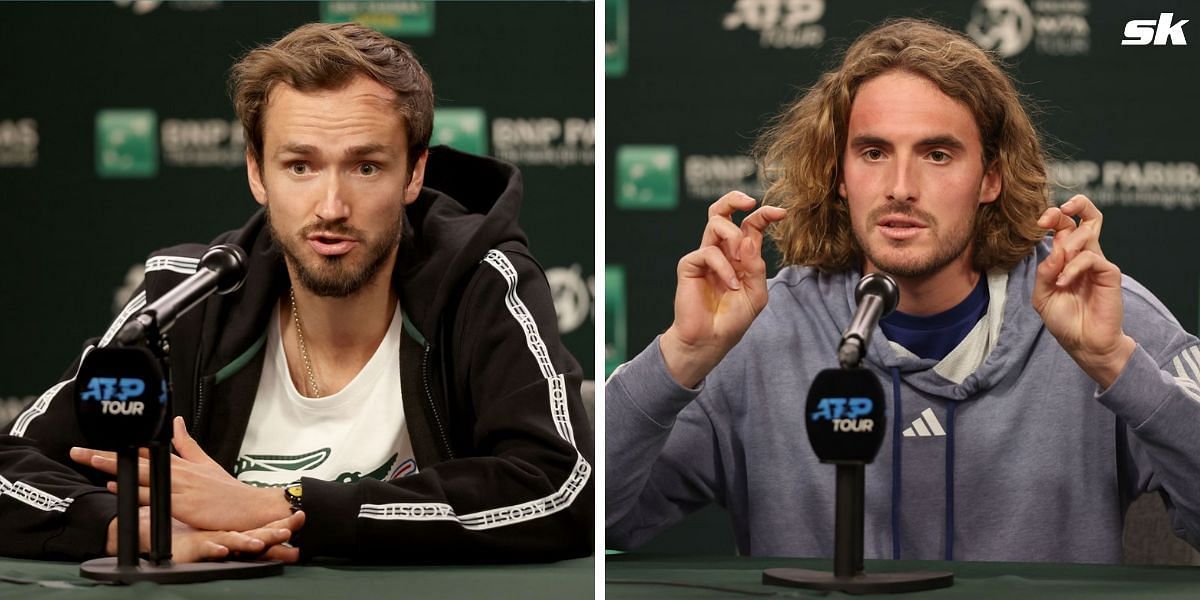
point(335, 276)
point(948, 246)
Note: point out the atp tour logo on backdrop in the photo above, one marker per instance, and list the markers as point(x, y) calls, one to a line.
point(779, 23)
point(1127, 183)
point(126, 143)
point(647, 177)
point(18, 143)
point(143, 7)
point(411, 19)
point(572, 296)
point(1055, 27)
point(708, 177)
point(463, 128)
point(1161, 32)
point(203, 143)
point(538, 141)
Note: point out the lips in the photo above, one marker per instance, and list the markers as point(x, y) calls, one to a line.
point(900, 227)
point(331, 244)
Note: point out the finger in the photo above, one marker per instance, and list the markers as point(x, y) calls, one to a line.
point(1091, 221)
point(285, 554)
point(84, 456)
point(720, 230)
point(758, 220)
point(1086, 264)
point(753, 227)
point(237, 541)
point(143, 492)
point(210, 550)
point(108, 464)
point(292, 522)
point(1054, 218)
point(185, 445)
point(730, 203)
point(706, 261)
point(1082, 207)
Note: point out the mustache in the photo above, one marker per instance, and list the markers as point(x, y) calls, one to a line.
point(339, 228)
point(901, 208)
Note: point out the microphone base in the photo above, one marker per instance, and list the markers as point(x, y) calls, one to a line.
point(107, 569)
point(859, 583)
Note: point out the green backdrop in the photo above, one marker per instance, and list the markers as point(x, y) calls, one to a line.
point(691, 83)
point(117, 137)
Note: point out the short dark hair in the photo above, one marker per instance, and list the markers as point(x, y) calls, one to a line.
point(321, 56)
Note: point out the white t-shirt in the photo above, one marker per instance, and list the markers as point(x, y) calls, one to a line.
point(358, 432)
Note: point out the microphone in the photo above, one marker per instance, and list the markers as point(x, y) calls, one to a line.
point(222, 270)
point(877, 296)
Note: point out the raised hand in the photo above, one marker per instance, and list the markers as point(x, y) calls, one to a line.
point(720, 288)
point(1078, 292)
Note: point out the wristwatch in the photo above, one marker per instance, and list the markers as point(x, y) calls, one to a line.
point(294, 493)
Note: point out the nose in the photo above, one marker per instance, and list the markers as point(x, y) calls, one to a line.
point(904, 180)
point(333, 205)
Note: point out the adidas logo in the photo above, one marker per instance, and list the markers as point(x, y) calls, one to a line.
point(925, 426)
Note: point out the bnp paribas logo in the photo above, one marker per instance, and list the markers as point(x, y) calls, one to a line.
point(461, 128)
point(126, 143)
point(647, 177)
point(615, 331)
point(412, 18)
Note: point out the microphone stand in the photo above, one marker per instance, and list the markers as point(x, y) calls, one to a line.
point(848, 574)
point(159, 568)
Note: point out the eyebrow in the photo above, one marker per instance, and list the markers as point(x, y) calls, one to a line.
point(946, 141)
point(353, 151)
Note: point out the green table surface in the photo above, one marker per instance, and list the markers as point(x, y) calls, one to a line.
point(660, 577)
point(565, 579)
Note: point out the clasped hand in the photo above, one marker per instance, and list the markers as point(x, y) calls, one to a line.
point(212, 508)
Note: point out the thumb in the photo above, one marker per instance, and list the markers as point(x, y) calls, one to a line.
point(184, 444)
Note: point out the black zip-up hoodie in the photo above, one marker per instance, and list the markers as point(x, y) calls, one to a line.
point(490, 395)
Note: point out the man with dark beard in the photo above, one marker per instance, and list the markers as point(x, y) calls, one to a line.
point(1033, 392)
point(387, 385)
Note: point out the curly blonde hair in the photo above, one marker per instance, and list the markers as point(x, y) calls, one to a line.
point(801, 152)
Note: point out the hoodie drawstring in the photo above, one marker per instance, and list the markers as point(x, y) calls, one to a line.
point(896, 478)
point(950, 406)
point(896, 463)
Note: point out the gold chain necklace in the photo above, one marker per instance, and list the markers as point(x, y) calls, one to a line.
point(312, 380)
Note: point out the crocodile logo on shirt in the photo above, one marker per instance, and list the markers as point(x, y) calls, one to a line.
point(280, 462)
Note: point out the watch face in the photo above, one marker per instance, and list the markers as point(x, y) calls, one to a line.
point(295, 490)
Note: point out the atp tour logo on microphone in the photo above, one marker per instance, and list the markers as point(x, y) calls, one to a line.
point(121, 397)
point(845, 413)
point(845, 416)
point(118, 396)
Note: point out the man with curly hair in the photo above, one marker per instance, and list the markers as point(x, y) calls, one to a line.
point(1033, 390)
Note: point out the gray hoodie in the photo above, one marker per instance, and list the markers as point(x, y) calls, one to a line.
point(1004, 450)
